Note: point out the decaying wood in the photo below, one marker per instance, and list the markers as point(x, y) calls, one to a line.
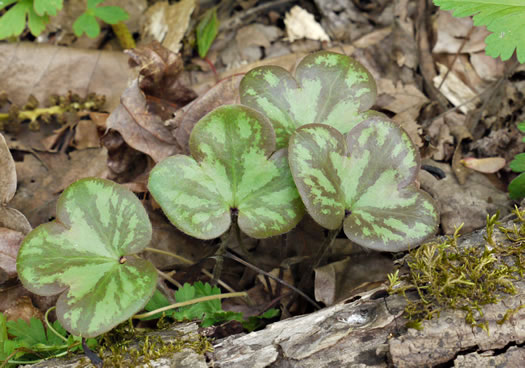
point(368, 331)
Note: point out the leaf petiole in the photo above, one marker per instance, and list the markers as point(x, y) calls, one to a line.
point(190, 302)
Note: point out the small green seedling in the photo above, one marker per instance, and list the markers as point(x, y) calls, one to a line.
point(365, 182)
point(232, 175)
point(206, 31)
point(517, 185)
point(87, 255)
point(210, 312)
point(504, 18)
point(37, 12)
point(87, 22)
point(328, 88)
point(22, 342)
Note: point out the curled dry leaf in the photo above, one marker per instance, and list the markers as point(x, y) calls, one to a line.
point(487, 165)
point(150, 100)
point(9, 217)
point(223, 93)
point(7, 173)
point(9, 244)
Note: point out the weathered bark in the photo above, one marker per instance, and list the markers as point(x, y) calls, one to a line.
point(368, 331)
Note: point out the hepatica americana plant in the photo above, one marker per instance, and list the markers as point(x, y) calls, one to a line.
point(304, 141)
point(351, 165)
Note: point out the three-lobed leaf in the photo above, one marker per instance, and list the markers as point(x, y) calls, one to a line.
point(504, 18)
point(328, 88)
point(87, 22)
point(13, 22)
point(232, 171)
point(86, 254)
point(51, 7)
point(364, 182)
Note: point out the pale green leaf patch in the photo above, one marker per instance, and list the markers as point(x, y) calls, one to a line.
point(231, 171)
point(365, 181)
point(328, 88)
point(87, 255)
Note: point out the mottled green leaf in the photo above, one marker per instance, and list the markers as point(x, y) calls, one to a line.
point(230, 171)
point(365, 181)
point(86, 254)
point(328, 88)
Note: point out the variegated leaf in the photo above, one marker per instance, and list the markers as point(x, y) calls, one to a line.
point(370, 188)
point(230, 171)
point(85, 254)
point(328, 88)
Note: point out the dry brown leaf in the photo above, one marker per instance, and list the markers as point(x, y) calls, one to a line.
point(302, 24)
point(10, 218)
point(86, 135)
point(10, 241)
point(150, 100)
point(406, 102)
point(167, 23)
point(338, 280)
point(468, 203)
point(488, 165)
point(42, 70)
point(24, 309)
point(455, 90)
point(41, 181)
point(224, 92)
point(452, 31)
point(7, 173)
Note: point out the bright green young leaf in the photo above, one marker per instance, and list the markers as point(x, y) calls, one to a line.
point(365, 181)
point(111, 14)
point(50, 7)
point(328, 88)
point(504, 18)
point(231, 172)
point(206, 31)
point(87, 24)
point(517, 187)
point(86, 254)
point(518, 164)
point(521, 126)
point(13, 22)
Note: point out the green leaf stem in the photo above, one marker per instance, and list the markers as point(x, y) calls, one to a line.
point(86, 254)
point(365, 181)
point(328, 88)
point(232, 171)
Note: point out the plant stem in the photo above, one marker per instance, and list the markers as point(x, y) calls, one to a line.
point(190, 302)
point(243, 262)
point(187, 261)
point(51, 327)
point(125, 39)
point(169, 278)
point(318, 258)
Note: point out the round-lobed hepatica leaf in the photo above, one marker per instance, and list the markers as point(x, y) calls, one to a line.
point(365, 181)
point(85, 254)
point(328, 88)
point(231, 170)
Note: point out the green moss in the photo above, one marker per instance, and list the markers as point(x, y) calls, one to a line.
point(125, 346)
point(446, 276)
